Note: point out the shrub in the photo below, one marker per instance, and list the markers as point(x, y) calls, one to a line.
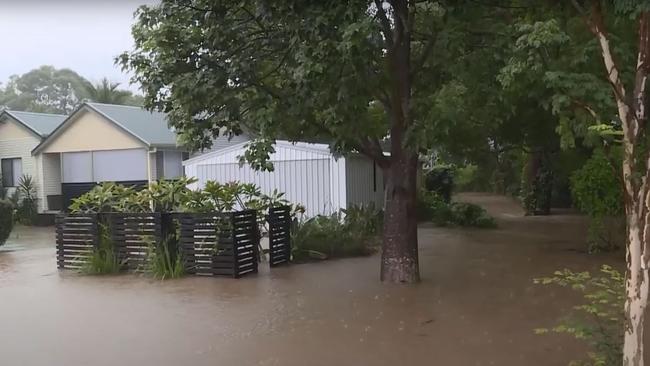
point(27, 207)
point(469, 214)
point(3, 190)
point(349, 233)
point(598, 192)
point(440, 179)
point(431, 207)
point(6, 220)
point(599, 321)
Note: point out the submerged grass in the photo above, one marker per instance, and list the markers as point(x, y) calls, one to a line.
point(103, 259)
point(163, 262)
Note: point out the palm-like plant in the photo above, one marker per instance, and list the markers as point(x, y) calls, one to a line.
point(107, 92)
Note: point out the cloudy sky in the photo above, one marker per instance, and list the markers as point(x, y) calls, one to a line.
point(84, 36)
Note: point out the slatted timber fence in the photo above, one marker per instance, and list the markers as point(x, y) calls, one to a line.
point(279, 220)
point(132, 234)
point(76, 238)
point(219, 243)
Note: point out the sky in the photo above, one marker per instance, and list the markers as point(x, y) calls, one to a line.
point(84, 36)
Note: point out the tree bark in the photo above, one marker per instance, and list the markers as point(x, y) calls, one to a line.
point(636, 289)
point(636, 174)
point(399, 259)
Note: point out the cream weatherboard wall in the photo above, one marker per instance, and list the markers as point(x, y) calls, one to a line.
point(91, 132)
point(16, 141)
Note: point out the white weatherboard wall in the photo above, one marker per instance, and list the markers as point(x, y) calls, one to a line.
point(307, 173)
point(364, 182)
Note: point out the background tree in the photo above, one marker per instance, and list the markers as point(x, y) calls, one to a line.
point(585, 107)
point(45, 89)
point(107, 92)
point(50, 90)
point(353, 73)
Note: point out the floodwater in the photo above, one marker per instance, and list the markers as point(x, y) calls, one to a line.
point(476, 305)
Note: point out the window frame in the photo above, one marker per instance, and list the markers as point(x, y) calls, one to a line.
point(13, 179)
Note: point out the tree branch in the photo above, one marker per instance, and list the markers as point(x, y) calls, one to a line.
point(596, 25)
point(372, 149)
point(387, 31)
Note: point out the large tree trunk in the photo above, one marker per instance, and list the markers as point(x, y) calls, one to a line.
point(399, 259)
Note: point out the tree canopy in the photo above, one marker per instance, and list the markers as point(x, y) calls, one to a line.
point(51, 90)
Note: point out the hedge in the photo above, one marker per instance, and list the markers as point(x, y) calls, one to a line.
point(6, 220)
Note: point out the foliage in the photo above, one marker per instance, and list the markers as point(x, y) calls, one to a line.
point(46, 90)
point(432, 207)
point(168, 195)
point(466, 178)
point(27, 208)
point(163, 262)
point(599, 321)
point(107, 92)
point(103, 259)
point(440, 179)
point(3, 190)
point(349, 233)
point(110, 197)
point(50, 90)
point(469, 214)
point(6, 220)
point(597, 191)
point(596, 187)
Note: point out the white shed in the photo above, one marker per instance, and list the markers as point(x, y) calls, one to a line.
point(307, 173)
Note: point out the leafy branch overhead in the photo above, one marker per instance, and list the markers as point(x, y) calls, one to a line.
point(282, 70)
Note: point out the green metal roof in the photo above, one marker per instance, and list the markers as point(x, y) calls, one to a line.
point(40, 123)
point(150, 127)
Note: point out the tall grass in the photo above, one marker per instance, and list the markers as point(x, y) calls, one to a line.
point(164, 262)
point(103, 259)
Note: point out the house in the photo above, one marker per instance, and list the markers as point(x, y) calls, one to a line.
point(106, 143)
point(308, 173)
point(20, 133)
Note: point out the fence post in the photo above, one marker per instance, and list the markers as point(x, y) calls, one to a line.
point(233, 233)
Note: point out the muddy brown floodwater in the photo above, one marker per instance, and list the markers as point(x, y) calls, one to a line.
point(476, 305)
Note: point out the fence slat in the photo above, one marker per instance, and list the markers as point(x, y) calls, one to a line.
point(279, 235)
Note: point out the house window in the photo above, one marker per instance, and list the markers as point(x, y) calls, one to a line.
point(12, 169)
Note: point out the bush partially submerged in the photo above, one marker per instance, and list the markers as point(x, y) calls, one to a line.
point(6, 220)
point(432, 207)
point(599, 321)
point(349, 233)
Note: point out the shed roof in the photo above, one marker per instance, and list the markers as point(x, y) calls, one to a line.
point(41, 124)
